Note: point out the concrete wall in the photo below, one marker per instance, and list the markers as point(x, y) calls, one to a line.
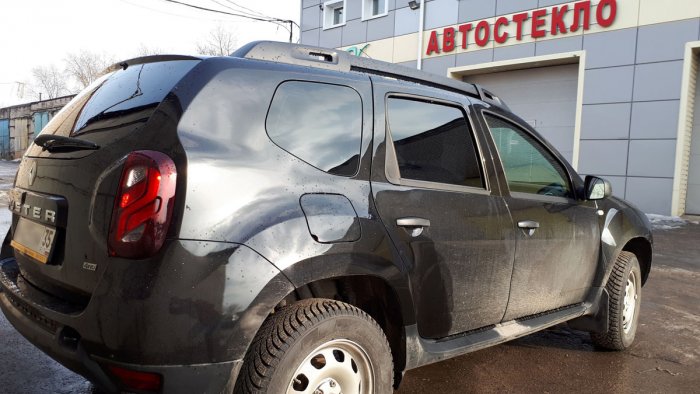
point(632, 86)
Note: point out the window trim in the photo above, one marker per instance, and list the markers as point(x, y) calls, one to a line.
point(516, 194)
point(332, 4)
point(391, 164)
point(365, 17)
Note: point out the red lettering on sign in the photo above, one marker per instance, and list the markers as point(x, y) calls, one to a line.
point(448, 39)
point(465, 29)
point(605, 14)
point(519, 19)
point(603, 21)
point(538, 22)
point(500, 22)
point(579, 8)
point(558, 25)
point(482, 33)
point(433, 43)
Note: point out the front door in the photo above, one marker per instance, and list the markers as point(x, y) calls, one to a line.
point(432, 192)
point(557, 235)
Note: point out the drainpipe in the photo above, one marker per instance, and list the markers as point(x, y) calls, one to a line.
point(421, 21)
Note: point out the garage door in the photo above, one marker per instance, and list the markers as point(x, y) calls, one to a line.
point(545, 97)
point(692, 199)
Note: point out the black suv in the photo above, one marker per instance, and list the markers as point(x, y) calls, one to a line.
point(297, 219)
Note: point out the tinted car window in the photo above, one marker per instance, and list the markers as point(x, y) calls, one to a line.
point(529, 167)
point(135, 91)
point(433, 143)
point(320, 124)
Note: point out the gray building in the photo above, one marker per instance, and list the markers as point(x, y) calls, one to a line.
point(19, 124)
point(611, 83)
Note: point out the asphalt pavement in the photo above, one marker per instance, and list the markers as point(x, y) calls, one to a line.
point(665, 357)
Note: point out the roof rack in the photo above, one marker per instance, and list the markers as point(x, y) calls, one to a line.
point(339, 60)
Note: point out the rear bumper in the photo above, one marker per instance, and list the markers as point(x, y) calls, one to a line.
point(63, 344)
point(188, 315)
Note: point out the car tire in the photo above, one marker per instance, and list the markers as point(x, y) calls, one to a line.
point(318, 346)
point(624, 288)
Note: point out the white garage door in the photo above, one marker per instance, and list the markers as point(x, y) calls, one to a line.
point(545, 97)
point(692, 199)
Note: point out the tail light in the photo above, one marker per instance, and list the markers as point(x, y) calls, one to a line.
point(144, 205)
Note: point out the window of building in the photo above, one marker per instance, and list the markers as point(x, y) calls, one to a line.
point(529, 167)
point(433, 142)
point(333, 13)
point(374, 8)
point(320, 124)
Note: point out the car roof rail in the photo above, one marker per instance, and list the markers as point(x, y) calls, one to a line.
point(339, 60)
point(488, 97)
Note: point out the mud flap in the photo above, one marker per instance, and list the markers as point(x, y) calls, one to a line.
point(597, 321)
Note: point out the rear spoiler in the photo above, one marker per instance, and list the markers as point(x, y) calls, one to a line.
point(123, 65)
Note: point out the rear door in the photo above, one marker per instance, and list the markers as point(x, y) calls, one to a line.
point(432, 190)
point(557, 235)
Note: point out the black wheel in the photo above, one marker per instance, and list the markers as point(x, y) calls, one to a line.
point(318, 346)
point(625, 290)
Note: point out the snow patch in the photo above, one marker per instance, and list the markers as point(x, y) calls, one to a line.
point(662, 222)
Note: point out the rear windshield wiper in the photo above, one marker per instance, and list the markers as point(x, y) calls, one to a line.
point(57, 143)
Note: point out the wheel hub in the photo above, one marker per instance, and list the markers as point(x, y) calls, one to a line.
point(328, 386)
point(339, 366)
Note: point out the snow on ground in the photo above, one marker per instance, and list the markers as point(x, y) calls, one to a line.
point(662, 222)
point(8, 169)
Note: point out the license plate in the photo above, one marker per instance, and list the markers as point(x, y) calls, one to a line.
point(34, 240)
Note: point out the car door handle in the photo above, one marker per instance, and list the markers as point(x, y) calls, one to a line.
point(413, 222)
point(528, 224)
point(414, 226)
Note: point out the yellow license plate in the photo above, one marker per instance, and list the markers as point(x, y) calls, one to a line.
point(34, 240)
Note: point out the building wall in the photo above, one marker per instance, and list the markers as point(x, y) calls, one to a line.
point(25, 121)
point(631, 83)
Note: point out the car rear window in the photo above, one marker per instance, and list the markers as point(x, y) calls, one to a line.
point(135, 91)
point(318, 123)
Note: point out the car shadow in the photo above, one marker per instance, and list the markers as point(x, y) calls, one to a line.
point(560, 336)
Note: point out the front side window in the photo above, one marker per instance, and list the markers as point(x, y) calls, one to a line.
point(333, 14)
point(320, 124)
point(529, 167)
point(433, 143)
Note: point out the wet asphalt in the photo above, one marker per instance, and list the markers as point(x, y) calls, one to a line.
point(665, 357)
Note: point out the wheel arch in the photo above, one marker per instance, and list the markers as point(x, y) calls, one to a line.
point(641, 248)
point(370, 282)
point(372, 294)
point(624, 229)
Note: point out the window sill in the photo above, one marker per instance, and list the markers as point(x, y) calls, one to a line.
point(334, 26)
point(369, 18)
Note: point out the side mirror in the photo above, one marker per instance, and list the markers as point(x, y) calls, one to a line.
point(597, 188)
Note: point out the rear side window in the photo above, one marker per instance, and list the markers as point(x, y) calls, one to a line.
point(529, 167)
point(320, 124)
point(433, 143)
